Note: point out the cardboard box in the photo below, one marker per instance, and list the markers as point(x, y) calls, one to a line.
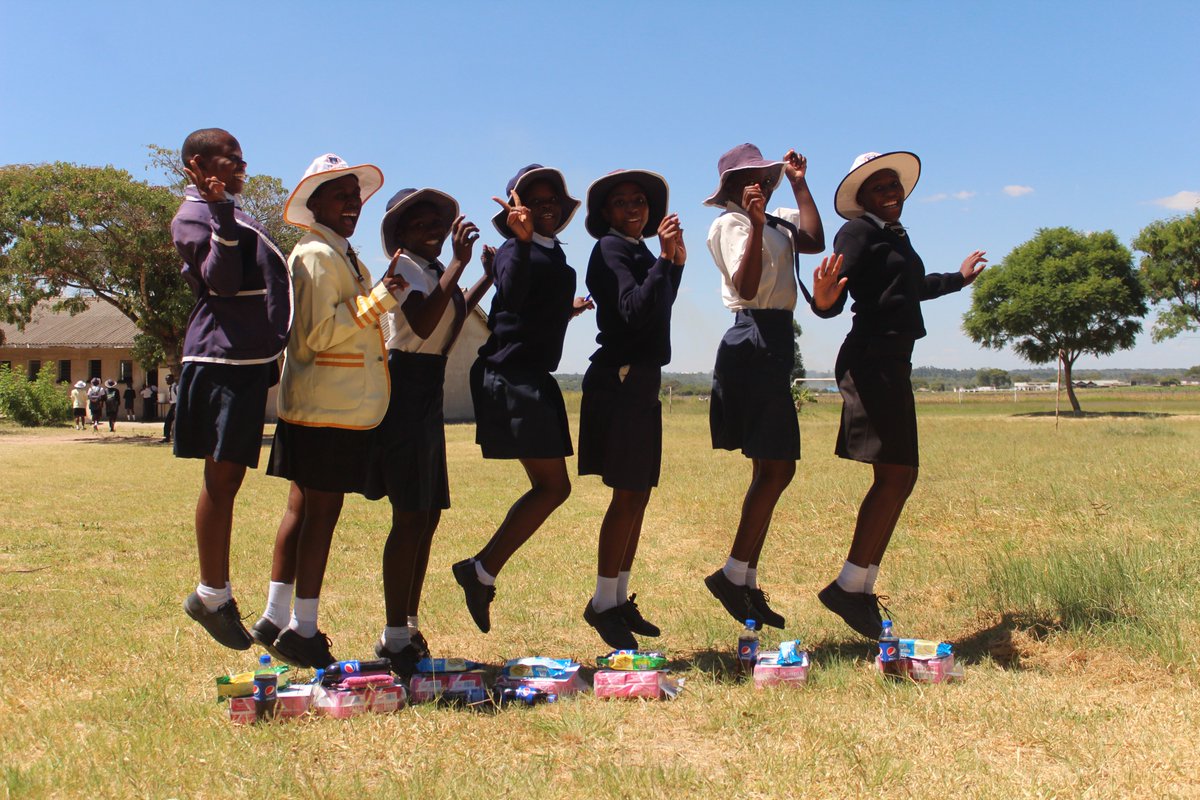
point(653, 684)
point(928, 670)
point(340, 703)
point(467, 686)
point(571, 682)
point(769, 672)
point(385, 700)
point(294, 701)
point(242, 710)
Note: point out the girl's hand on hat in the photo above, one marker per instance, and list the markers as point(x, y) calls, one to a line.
point(670, 237)
point(827, 287)
point(487, 258)
point(972, 266)
point(210, 187)
point(582, 304)
point(755, 204)
point(519, 220)
point(463, 234)
point(795, 166)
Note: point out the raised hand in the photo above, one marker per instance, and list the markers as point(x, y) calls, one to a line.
point(487, 258)
point(972, 265)
point(755, 204)
point(795, 166)
point(670, 238)
point(393, 281)
point(463, 234)
point(519, 220)
point(827, 287)
point(210, 187)
point(582, 304)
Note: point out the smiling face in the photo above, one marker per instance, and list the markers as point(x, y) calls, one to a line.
point(226, 163)
point(336, 205)
point(882, 194)
point(422, 230)
point(626, 209)
point(543, 201)
point(735, 184)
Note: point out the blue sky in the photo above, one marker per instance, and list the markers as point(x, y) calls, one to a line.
point(1025, 115)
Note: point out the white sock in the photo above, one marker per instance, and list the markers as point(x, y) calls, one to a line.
point(304, 616)
point(481, 573)
point(397, 637)
point(622, 588)
point(736, 571)
point(412, 622)
point(872, 574)
point(279, 603)
point(606, 593)
point(214, 598)
point(752, 577)
point(852, 578)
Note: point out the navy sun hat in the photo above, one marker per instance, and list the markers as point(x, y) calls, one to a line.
point(521, 181)
point(405, 199)
point(743, 158)
point(654, 186)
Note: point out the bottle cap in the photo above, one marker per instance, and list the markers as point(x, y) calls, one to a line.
point(749, 623)
point(264, 659)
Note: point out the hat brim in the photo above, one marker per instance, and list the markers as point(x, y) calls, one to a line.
point(553, 176)
point(718, 198)
point(296, 211)
point(389, 233)
point(906, 165)
point(654, 186)
point(80, 385)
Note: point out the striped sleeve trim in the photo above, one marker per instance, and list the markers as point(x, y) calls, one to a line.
point(226, 242)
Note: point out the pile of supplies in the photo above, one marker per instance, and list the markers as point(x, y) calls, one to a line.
point(920, 660)
point(448, 680)
point(537, 679)
point(786, 666)
point(633, 673)
point(345, 689)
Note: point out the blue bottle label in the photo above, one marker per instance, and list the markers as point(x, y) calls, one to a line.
point(889, 650)
point(748, 649)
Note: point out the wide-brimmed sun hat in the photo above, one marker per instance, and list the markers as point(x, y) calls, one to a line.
point(743, 158)
point(110, 384)
point(405, 199)
point(651, 183)
point(322, 170)
point(906, 165)
point(521, 181)
point(80, 385)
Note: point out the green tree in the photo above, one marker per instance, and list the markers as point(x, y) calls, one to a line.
point(798, 360)
point(41, 401)
point(1058, 296)
point(1170, 272)
point(996, 378)
point(68, 232)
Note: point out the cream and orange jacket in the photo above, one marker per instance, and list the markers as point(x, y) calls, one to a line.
point(335, 370)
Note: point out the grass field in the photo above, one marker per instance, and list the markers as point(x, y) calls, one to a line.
point(1062, 559)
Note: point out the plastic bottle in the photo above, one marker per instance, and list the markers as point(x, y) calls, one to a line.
point(889, 651)
point(747, 649)
point(266, 687)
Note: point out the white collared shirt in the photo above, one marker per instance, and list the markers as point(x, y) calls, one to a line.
point(630, 239)
point(727, 241)
point(423, 277)
point(545, 241)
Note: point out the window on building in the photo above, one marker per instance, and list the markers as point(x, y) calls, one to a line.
point(126, 370)
point(94, 368)
point(35, 366)
point(64, 371)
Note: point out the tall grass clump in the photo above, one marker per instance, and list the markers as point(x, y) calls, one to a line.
point(1136, 595)
point(42, 401)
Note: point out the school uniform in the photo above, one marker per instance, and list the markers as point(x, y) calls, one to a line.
point(236, 331)
point(887, 281)
point(408, 464)
point(620, 425)
point(519, 409)
point(751, 407)
point(334, 388)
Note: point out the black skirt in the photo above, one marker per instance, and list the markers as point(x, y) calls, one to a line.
point(408, 460)
point(326, 459)
point(620, 426)
point(751, 408)
point(879, 415)
point(220, 410)
point(518, 413)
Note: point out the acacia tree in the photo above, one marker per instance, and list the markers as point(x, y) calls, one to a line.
point(69, 231)
point(1170, 272)
point(1058, 296)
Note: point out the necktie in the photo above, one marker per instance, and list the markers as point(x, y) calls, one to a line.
point(353, 261)
point(896, 228)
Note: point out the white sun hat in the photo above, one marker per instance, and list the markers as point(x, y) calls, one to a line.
point(323, 169)
point(906, 165)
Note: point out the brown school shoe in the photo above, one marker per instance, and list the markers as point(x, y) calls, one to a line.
point(634, 619)
point(855, 608)
point(610, 625)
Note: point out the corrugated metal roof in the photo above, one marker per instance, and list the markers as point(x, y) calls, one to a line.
point(102, 325)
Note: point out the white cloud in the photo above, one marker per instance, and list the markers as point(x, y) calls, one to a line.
point(1180, 201)
point(963, 195)
point(1015, 190)
point(940, 196)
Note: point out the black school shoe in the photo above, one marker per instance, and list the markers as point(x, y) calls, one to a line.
point(610, 625)
point(264, 633)
point(479, 595)
point(857, 609)
point(734, 598)
point(404, 661)
point(224, 624)
point(634, 619)
point(763, 612)
point(304, 651)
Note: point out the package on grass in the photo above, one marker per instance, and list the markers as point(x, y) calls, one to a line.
point(653, 684)
point(632, 660)
point(432, 665)
point(464, 687)
point(923, 661)
point(290, 703)
point(558, 676)
point(242, 684)
point(342, 701)
point(787, 665)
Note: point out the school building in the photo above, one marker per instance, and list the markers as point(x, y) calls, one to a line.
point(98, 343)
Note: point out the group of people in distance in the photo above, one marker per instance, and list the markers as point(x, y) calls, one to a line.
point(360, 392)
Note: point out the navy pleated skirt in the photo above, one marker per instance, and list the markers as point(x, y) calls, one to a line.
point(620, 426)
point(519, 413)
point(751, 407)
point(879, 414)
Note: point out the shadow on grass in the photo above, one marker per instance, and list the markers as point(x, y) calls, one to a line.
point(997, 643)
point(720, 664)
point(1099, 414)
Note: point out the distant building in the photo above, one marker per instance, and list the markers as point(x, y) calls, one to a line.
point(98, 343)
